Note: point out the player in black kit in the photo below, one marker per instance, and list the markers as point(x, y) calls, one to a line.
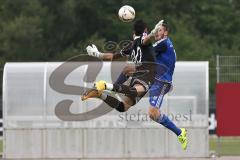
point(141, 53)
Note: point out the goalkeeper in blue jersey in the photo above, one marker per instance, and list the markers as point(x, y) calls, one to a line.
point(165, 56)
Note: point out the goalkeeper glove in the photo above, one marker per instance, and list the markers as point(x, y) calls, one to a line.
point(156, 28)
point(93, 51)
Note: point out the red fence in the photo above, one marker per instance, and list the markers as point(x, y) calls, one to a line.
point(228, 109)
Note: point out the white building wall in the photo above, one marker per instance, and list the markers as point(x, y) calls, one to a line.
point(32, 129)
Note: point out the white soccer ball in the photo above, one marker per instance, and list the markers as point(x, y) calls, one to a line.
point(126, 13)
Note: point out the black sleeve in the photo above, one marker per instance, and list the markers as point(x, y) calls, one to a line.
point(127, 50)
point(117, 56)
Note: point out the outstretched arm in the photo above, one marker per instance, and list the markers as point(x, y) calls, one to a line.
point(148, 38)
point(92, 50)
point(107, 56)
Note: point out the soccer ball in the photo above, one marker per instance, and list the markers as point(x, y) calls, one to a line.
point(126, 13)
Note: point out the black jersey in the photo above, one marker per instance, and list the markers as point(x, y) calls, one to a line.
point(144, 58)
point(142, 55)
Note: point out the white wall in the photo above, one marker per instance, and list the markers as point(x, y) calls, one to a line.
point(32, 130)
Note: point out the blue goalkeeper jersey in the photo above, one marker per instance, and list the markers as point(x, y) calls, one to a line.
point(166, 56)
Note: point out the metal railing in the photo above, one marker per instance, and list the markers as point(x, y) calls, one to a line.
point(228, 69)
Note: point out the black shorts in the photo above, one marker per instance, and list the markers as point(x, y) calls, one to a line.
point(146, 81)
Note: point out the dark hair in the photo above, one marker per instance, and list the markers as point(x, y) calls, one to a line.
point(165, 25)
point(139, 27)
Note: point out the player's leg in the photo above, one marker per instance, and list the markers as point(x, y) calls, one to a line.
point(135, 89)
point(128, 100)
point(139, 89)
point(113, 102)
point(157, 92)
point(132, 91)
point(156, 115)
point(121, 78)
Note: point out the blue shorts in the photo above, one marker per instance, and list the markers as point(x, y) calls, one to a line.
point(157, 92)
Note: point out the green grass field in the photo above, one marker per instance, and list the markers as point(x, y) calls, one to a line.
point(227, 145)
point(1, 145)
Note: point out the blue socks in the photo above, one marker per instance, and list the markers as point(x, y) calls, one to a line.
point(121, 79)
point(165, 121)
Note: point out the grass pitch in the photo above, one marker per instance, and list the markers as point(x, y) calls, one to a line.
point(225, 146)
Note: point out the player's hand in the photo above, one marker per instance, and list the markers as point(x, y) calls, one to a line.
point(92, 50)
point(160, 23)
point(156, 28)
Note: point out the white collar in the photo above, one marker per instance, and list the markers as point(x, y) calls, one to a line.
point(159, 41)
